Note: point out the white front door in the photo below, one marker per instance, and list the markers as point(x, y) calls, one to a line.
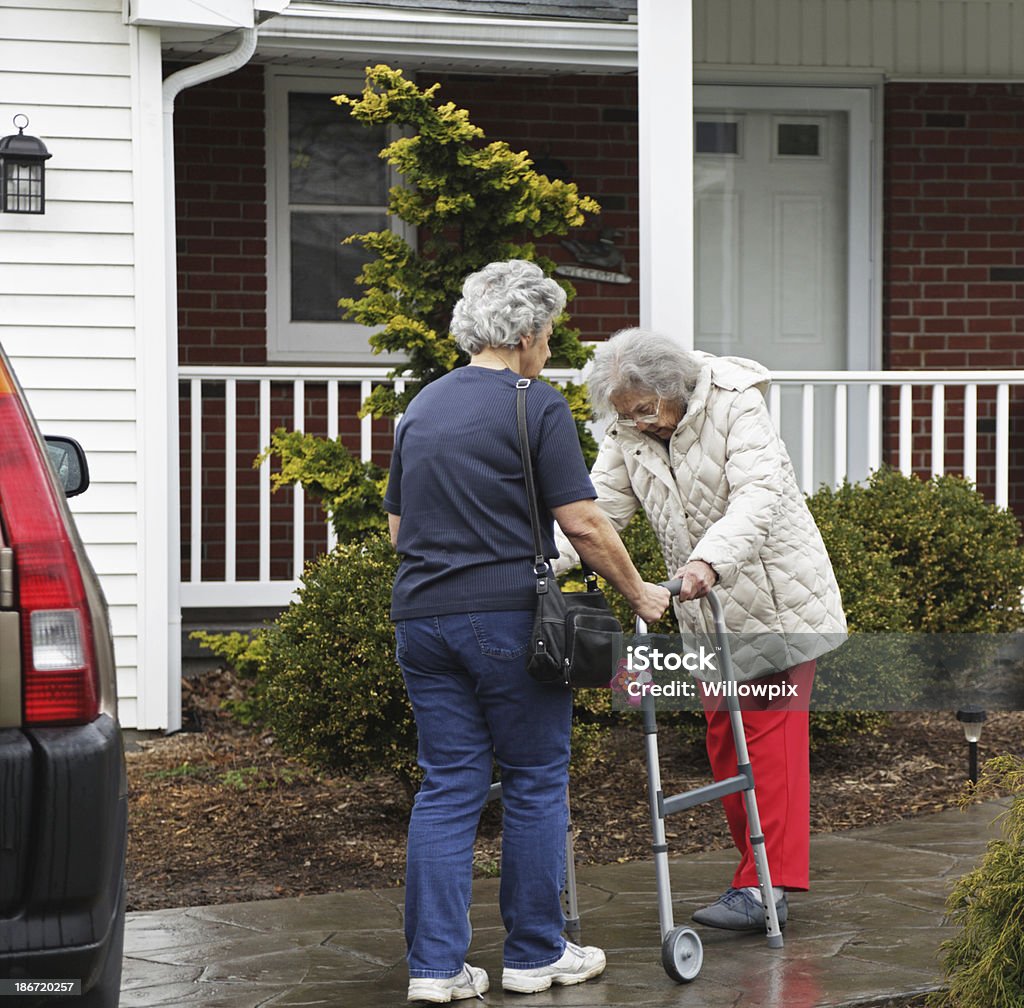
point(781, 243)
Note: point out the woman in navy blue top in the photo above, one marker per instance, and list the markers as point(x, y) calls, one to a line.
point(463, 605)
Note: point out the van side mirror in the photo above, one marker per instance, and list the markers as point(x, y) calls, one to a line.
point(69, 460)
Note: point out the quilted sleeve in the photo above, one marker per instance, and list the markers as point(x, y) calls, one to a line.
point(753, 487)
point(615, 497)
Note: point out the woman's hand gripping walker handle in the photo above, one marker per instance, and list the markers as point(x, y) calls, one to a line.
point(774, 932)
point(673, 588)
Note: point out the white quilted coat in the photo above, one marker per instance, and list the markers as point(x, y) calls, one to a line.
point(725, 492)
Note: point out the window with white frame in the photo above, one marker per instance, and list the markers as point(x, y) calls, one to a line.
point(325, 182)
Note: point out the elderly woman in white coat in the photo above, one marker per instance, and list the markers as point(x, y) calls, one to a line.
point(692, 443)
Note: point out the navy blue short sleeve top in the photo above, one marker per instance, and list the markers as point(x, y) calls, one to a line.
point(456, 480)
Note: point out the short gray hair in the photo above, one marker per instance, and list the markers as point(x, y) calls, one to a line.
point(640, 360)
point(504, 302)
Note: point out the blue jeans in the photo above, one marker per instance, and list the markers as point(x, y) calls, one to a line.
point(475, 703)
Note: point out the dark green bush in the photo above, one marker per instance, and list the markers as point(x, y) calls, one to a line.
point(330, 688)
point(984, 963)
point(872, 597)
point(910, 556)
point(955, 560)
point(869, 677)
point(915, 558)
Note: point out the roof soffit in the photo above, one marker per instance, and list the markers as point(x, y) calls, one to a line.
point(334, 36)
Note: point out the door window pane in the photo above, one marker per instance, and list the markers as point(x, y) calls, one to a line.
point(803, 138)
point(717, 137)
point(799, 139)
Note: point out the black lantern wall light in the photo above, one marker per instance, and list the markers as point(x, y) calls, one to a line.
point(22, 171)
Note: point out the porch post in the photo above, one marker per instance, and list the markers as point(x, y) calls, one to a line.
point(159, 669)
point(172, 86)
point(665, 63)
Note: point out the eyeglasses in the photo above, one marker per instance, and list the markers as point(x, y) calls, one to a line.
point(645, 414)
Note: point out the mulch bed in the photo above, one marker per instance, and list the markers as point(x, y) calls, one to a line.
point(219, 815)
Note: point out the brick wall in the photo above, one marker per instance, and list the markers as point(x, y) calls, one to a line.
point(220, 191)
point(221, 200)
point(954, 259)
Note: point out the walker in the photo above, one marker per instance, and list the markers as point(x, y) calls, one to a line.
point(681, 951)
point(682, 954)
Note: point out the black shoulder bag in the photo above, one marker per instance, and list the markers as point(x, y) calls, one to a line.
point(577, 641)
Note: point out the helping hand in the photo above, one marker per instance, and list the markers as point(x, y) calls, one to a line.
point(653, 602)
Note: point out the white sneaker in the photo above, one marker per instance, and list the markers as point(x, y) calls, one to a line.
point(576, 965)
point(471, 982)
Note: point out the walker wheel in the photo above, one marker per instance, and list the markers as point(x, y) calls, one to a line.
point(682, 954)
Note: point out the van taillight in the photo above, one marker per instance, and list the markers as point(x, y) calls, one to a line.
point(58, 666)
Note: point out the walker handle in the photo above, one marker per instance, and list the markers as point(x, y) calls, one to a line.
point(674, 588)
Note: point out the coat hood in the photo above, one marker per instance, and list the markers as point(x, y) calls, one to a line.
point(736, 374)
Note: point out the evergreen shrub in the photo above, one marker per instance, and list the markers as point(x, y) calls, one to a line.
point(910, 556)
point(350, 491)
point(469, 201)
point(330, 688)
point(954, 559)
point(984, 962)
point(913, 557)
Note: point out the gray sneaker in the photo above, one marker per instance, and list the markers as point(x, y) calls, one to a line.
point(737, 910)
point(576, 965)
point(471, 982)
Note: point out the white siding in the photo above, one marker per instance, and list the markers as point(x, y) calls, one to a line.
point(904, 39)
point(67, 303)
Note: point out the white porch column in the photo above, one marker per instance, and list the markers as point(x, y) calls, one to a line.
point(665, 59)
point(158, 690)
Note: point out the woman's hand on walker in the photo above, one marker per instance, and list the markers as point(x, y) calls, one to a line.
point(651, 605)
point(698, 579)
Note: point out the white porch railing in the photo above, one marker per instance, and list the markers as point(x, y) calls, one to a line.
point(853, 403)
point(836, 424)
point(207, 583)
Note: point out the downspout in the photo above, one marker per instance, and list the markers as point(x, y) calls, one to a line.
point(187, 77)
point(200, 73)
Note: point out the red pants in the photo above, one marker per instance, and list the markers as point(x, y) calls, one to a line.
point(779, 756)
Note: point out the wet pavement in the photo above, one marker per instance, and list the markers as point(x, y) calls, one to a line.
point(866, 935)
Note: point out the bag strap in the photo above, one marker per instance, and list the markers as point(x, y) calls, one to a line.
point(540, 562)
point(541, 567)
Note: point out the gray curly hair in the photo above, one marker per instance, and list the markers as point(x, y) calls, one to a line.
point(640, 360)
point(504, 302)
